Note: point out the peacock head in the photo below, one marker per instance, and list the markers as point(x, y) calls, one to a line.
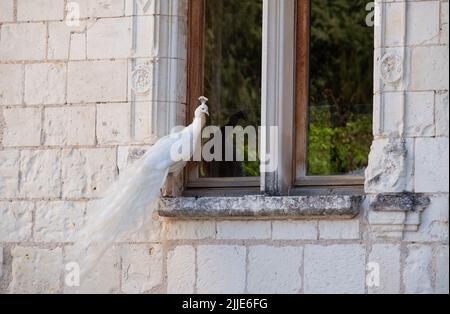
point(203, 108)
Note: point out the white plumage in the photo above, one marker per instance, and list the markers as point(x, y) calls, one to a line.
point(131, 199)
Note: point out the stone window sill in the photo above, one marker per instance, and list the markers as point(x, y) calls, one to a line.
point(262, 207)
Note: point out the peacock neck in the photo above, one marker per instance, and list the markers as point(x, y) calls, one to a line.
point(197, 126)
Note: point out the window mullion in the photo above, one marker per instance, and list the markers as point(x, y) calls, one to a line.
point(278, 84)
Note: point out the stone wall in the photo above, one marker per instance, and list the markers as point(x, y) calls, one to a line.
point(78, 103)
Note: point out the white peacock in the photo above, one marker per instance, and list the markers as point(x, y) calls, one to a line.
point(128, 203)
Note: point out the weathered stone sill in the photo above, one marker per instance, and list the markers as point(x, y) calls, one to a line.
point(262, 207)
point(399, 202)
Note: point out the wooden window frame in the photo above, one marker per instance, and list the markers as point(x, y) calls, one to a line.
point(194, 90)
point(285, 105)
point(303, 18)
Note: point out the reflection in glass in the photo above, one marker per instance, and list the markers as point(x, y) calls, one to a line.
point(232, 75)
point(341, 73)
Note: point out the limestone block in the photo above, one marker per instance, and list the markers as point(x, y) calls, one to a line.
point(146, 44)
point(62, 41)
point(69, 126)
point(22, 127)
point(441, 269)
point(1, 262)
point(385, 274)
point(442, 114)
point(58, 221)
point(334, 269)
point(36, 270)
point(142, 268)
point(423, 24)
point(7, 11)
point(432, 165)
point(274, 269)
point(244, 230)
point(101, 8)
point(221, 269)
point(110, 38)
point(77, 49)
point(181, 270)
point(113, 123)
point(41, 173)
point(420, 114)
point(190, 230)
point(45, 83)
point(393, 19)
point(90, 81)
point(294, 230)
point(11, 84)
point(390, 107)
point(88, 172)
point(9, 173)
point(433, 224)
point(387, 218)
point(104, 278)
point(40, 10)
point(16, 221)
point(417, 273)
point(429, 68)
point(444, 23)
point(339, 229)
point(24, 41)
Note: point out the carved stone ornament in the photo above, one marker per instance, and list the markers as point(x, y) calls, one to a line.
point(141, 79)
point(391, 68)
point(391, 216)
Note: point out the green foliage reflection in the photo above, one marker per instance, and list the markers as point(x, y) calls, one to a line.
point(340, 131)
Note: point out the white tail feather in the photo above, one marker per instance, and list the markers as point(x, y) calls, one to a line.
point(127, 205)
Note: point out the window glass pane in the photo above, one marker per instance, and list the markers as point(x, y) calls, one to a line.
point(232, 75)
point(341, 90)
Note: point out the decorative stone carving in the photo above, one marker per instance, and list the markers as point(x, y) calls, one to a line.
point(157, 75)
point(141, 79)
point(390, 167)
point(391, 215)
point(391, 68)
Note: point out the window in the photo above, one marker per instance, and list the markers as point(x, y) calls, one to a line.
point(225, 51)
point(305, 66)
point(334, 92)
